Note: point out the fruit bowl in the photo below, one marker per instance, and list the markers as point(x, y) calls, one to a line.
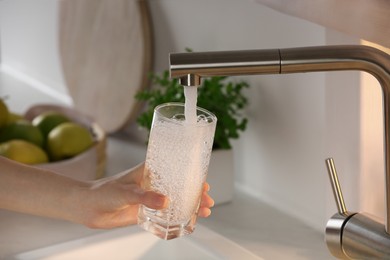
point(88, 165)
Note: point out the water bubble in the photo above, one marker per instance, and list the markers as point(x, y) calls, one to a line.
point(179, 117)
point(201, 118)
point(204, 119)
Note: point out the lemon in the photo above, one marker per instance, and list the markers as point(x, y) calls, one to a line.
point(23, 152)
point(13, 117)
point(47, 121)
point(3, 113)
point(22, 129)
point(67, 140)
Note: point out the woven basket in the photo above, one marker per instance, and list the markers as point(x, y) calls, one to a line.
point(88, 165)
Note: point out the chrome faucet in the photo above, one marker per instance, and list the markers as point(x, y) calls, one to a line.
point(348, 235)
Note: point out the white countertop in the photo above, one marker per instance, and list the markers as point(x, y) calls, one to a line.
point(266, 231)
point(246, 221)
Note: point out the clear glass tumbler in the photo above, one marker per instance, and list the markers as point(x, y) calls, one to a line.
point(176, 165)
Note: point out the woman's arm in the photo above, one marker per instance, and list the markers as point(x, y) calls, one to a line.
point(35, 191)
point(104, 203)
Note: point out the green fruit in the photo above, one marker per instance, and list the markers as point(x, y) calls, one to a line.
point(3, 113)
point(13, 117)
point(47, 121)
point(68, 140)
point(23, 152)
point(23, 130)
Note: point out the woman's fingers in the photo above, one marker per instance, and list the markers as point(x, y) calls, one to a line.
point(204, 212)
point(206, 202)
point(206, 187)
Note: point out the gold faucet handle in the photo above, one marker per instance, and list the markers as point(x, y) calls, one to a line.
point(334, 181)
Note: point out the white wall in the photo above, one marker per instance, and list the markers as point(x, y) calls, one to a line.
point(296, 121)
point(29, 45)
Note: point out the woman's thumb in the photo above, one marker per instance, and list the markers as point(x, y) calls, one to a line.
point(150, 199)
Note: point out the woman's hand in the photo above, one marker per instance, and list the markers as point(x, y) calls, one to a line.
point(113, 201)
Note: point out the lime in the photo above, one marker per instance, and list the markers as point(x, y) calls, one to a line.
point(23, 152)
point(22, 129)
point(67, 140)
point(47, 121)
point(3, 113)
point(13, 117)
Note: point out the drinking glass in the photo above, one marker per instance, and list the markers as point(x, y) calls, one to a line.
point(176, 165)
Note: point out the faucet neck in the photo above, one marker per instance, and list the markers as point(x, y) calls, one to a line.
point(363, 58)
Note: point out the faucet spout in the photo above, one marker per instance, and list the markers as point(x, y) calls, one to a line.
point(188, 66)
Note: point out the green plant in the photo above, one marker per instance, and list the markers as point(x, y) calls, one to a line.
point(219, 95)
